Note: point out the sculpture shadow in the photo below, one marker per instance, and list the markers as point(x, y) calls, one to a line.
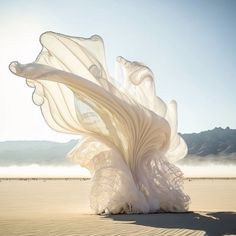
point(215, 224)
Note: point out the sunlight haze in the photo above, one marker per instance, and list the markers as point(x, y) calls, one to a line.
point(189, 45)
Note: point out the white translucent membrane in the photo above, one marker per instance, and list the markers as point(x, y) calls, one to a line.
point(129, 134)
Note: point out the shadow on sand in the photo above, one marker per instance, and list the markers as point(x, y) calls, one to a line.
point(215, 224)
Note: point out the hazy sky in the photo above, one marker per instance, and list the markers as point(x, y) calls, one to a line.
point(189, 45)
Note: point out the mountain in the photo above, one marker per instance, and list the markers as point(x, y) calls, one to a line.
point(218, 141)
point(212, 145)
point(37, 152)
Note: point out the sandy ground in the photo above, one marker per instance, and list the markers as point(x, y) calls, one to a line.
point(61, 207)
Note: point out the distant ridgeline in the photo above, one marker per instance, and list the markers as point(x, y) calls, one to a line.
point(211, 142)
point(212, 145)
point(35, 152)
point(217, 145)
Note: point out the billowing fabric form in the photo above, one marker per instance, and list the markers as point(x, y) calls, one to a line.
point(129, 135)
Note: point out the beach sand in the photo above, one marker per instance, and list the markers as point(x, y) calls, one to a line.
point(61, 207)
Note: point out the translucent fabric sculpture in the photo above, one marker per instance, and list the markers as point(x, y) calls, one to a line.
point(129, 135)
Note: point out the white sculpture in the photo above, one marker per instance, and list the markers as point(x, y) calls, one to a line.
point(130, 137)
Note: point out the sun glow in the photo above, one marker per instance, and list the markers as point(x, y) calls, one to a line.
point(19, 39)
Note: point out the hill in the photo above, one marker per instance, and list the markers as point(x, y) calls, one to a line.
point(213, 145)
point(212, 142)
point(37, 152)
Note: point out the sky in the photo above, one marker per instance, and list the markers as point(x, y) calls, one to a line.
point(189, 45)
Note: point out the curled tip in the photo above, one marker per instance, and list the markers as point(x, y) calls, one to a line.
point(14, 67)
point(123, 61)
point(44, 36)
point(173, 103)
point(120, 59)
point(96, 37)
